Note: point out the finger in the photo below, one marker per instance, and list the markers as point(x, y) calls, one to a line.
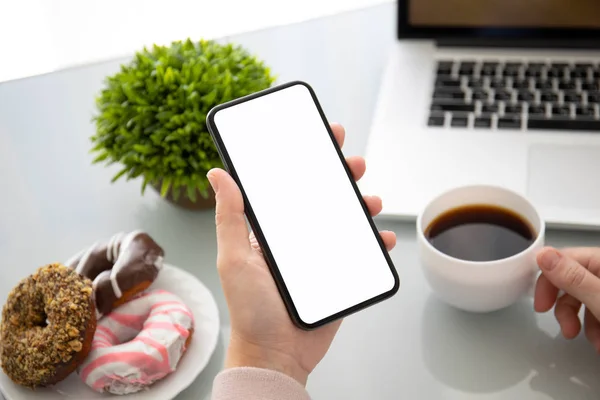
point(374, 204)
point(567, 314)
point(232, 231)
point(339, 133)
point(389, 239)
point(592, 329)
point(568, 275)
point(254, 243)
point(545, 294)
point(589, 257)
point(357, 166)
point(582, 255)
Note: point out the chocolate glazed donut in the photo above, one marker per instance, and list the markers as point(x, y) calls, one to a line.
point(119, 269)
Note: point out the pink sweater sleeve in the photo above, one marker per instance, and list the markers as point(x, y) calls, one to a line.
point(246, 383)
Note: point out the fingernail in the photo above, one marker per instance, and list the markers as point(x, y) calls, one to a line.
point(212, 180)
point(549, 260)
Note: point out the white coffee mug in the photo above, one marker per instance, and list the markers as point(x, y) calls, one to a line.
point(472, 285)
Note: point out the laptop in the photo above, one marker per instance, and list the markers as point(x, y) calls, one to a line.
point(499, 92)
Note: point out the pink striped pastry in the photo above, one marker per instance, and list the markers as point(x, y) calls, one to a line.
point(138, 344)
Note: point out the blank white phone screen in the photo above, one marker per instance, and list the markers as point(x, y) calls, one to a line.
point(303, 200)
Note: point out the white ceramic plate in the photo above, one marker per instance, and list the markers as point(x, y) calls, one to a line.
point(204, 341)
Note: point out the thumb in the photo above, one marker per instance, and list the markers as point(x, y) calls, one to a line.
point(570, 276)
point(232, 232)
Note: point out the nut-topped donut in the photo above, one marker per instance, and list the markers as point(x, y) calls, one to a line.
point(48, 324)
point(120, 269)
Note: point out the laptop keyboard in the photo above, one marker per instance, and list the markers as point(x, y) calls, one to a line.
point(516, 95)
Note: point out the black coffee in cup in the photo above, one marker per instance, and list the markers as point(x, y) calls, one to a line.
point(480, 233)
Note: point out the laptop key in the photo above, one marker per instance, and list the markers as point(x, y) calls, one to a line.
point(537, 110)
point(513, 65)
point(448, 95)
point(572, 97)
point(549, 96)
point(521, 84)
point(537, 65)
point(543, 85)
point(479, 94)
point(483, 122)
point(436, 120)
point(489, 68)
point(490, 64)
point(460, 121)
point(466, 68)
point(564, 124)
point(498, 84)
point(475, 83)
point(509, 122)
point(447, 82)
point(578, 73)
point(585, 111)
point(533, 72)
point(590, 86)
point(510, 71)
point(452, 106)
point(561, 111)
point(568, 85)
point(555, 73)
point(593, 97)
point(581, 72)
point(513, 109)
point(503, 95)
point(525, 95)
point(489, 108)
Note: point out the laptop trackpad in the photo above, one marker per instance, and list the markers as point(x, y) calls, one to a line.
point(564, 176)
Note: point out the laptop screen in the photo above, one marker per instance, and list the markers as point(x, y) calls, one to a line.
point(542, 19)
point(506, 13)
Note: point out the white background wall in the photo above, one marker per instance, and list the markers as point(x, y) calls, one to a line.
point(38, 36)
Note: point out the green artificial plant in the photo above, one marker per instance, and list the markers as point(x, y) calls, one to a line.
point(152, 113)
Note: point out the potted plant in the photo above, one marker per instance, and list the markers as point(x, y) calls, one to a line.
point(152, 115)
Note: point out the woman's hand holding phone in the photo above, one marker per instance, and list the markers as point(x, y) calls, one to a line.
point(262, 333)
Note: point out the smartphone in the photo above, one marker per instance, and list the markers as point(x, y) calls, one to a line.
point(301, 201)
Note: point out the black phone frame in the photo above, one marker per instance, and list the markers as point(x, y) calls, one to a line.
point(254, 224)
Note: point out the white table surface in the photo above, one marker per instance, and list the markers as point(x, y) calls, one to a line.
point(410, 347)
